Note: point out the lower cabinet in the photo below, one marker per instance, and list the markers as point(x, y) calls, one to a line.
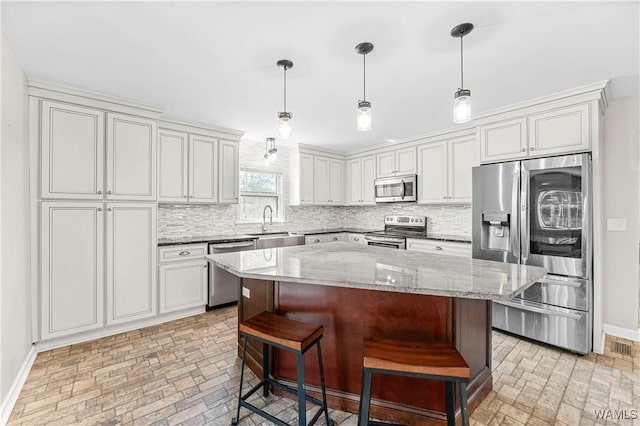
point(182, 281)
point(315, 239)
point(76, 269)
point(450, 248)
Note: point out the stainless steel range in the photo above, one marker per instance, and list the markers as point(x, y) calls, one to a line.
point(396, 231)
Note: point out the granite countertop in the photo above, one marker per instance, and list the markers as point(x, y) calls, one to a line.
point(350, 265)
point(204, 239)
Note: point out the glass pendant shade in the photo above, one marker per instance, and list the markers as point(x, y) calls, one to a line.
point(462, 106)
point(285, 125)
point(364, 116)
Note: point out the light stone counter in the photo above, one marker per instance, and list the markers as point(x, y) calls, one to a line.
point(341, 264)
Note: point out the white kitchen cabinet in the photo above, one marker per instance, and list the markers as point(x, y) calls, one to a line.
point(338, 236)
point(203, 169)
point(327, 180)
point(183, 277)
point(72, 259)
point(315, 239)
point(173, 164)
point(450, 248)
point(444, 170)
point(505, 140)
point(559, 131)
point(131, 157)
point(72, 147)
point(131, 261)
point(361, 181)
point(335, 181)
point(396, 163)
point(306, 179)
point(356, 238)
point(229, 171)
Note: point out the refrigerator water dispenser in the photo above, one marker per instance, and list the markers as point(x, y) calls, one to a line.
point(495, 231)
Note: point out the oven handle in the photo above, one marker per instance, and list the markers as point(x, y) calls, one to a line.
point(404, 189)
point(382, 240)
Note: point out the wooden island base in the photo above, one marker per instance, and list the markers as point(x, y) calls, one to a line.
point(348, 316)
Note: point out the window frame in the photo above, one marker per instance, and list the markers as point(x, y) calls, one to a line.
point(279, 194)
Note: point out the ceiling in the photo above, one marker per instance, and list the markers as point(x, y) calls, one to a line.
point(215, 62)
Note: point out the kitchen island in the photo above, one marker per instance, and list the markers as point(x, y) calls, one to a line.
point(356, 291)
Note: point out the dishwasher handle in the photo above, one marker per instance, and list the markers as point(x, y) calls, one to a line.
point(231, 245)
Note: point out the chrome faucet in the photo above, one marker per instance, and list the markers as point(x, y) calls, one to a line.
point(264, 218)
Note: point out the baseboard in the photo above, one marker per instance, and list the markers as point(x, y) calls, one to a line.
point(625, 333)
point(14, 391)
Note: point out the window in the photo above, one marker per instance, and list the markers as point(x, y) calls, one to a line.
point(257, 190)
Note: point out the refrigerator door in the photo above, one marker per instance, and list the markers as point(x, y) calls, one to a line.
point(495, 206)
point(555, 220)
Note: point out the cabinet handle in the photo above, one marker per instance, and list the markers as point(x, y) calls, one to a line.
point(184, 196)
point(445, 197)
point(109, 209)
point(523, 149)
point(532, 149)
point(204, 266)
point(99, 192)
point(356, 239)
point(109, 192)
point(99, 209)
point(316, 241)
point(437, 248)
point(184, 253)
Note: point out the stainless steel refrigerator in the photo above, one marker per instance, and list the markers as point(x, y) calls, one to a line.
point(538, 212)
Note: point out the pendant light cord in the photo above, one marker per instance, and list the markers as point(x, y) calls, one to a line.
point(461, 63)
point(285, 88)
point(364, 77)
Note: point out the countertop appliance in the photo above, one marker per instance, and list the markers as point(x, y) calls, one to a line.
point(538, 212)
point(224, 286)
point(397, 188)
point(396, 230)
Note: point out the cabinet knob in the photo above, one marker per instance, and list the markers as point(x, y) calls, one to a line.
point(316, 241)
point(99, 209)
point(109, 192)
point(356, 239)
point(204, 266)
point(444, 198)
point(99, 192)
point(523, 150)
point(532, 149)
point(109, 209)
point(437, 248)
point(184, 196)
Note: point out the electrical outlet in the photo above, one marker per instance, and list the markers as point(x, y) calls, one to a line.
point(617, 224)
point(246, 292)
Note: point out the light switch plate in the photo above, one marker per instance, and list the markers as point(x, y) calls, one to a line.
point(246, 292)
point(617, 224)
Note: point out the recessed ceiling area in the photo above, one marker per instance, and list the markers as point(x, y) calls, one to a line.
point(215, 62)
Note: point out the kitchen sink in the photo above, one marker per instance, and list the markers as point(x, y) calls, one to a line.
point(278, 239)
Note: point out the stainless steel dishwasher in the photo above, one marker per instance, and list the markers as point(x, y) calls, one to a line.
point(223, 286)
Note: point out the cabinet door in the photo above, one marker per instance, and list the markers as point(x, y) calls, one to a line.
point(368, 179)
point(505, 140)
point(432, 173)
point(315, 239)
point(72, 141)
point(306, 179)
point(183, 285)
point(72, 276)
point(354, 184)
point(203, 169)
point(173, 154)
point(131, 158)
point(386, 164)
point(229, 175)
point(131, 261)
point(561, 131)
point(335, 181)
point(321, 190)
point(463, 156)
point(406, 161)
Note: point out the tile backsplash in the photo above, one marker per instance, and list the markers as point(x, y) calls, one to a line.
point(178, 220)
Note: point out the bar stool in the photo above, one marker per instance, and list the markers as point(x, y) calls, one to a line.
point(283, 333)
point(436, 361)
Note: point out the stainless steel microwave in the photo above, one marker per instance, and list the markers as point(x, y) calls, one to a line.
point(397, 188)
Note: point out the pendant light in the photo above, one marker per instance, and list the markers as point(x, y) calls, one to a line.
point(284, 116)
point(462, 98)
point(364, 107)
point(270, 151)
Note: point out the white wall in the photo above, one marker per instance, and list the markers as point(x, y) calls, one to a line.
point(621, 200)
point(15, 308)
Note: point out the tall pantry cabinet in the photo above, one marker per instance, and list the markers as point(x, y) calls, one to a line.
point(97, 210)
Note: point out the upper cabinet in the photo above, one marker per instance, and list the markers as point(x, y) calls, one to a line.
point(560, 130)
point(361, 175)
point(73, 154)
point(397, 162)
point(327, 180)
point(72, 139)
point(315, 178)
point(195, 166)
point(444, 170)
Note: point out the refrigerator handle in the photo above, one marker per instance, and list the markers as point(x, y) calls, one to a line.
point(515, 208)
point(524, 214)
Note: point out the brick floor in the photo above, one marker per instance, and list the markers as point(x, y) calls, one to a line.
point(186, 372)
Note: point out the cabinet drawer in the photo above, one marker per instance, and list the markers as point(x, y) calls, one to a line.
point(181, 252)
point(440, 247)
point(357, 238)
point(315, 239)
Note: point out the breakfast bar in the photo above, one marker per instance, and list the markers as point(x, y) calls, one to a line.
point(358, 291)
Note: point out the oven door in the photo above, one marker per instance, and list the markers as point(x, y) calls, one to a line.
point(555, 214)
point(400, 188)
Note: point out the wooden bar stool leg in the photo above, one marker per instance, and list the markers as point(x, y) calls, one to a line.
point(265, 369)
point(464, 413)
point(365, 398)
point(450, 403)
point(235, 420)
point(302, 395)
point(324, 391)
